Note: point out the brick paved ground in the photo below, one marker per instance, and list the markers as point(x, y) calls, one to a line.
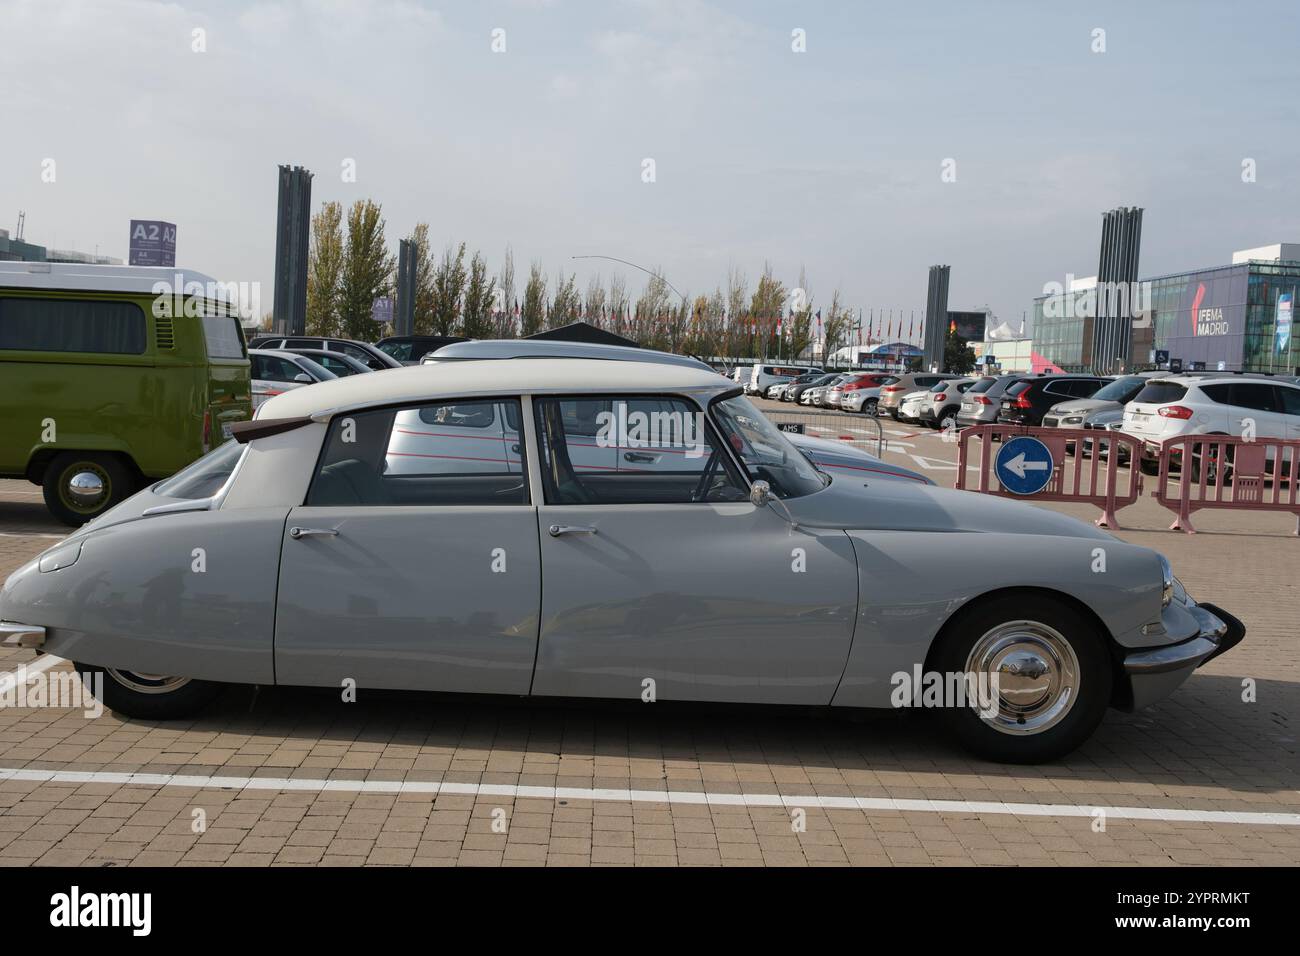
point(1202, 749)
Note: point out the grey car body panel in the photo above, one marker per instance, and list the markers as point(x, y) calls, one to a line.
point(657, 593)
point(136, 599)
point(413, 598)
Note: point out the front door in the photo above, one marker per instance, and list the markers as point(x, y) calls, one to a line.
point(413, 563)
point(665, 583)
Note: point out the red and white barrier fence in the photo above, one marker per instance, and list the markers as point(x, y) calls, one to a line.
point(1097, 480)
point(1228, 473)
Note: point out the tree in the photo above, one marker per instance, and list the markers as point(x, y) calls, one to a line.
point(425, 294)
point(449, 280)
point(478, 323)
point(958, 358)
point(837, 325)
point(367, 270)
point(325, 270)
point(506, 286)
point(766, 307)
point(567, 303)
point(533, 315)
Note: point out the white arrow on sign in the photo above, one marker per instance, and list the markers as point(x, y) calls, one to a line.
point(1019, 466)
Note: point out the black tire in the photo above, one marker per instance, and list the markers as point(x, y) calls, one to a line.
point(117, 482)
point(872, 407)
point(942, 420)
point(113, 688)
point(1150, 467)
point(1085, 705)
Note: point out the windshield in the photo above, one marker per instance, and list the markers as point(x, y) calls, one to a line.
point(398, 350)
point(766, 453)
point(1120, 390)
point(205, 477)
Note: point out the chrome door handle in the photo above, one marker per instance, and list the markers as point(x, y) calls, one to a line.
point(297, 533)
point(635, 456)
point(556, 530)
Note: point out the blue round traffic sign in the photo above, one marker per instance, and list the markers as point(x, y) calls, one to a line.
point(1024, 465)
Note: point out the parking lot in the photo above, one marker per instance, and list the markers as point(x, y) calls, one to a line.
point(274, 776)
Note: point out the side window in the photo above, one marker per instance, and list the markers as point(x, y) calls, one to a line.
point(1290, 399)
point(659, 450)
point(450, 453)
point(1218, 393)
point(275, 369)
point(1257, 396)
point(72, 325)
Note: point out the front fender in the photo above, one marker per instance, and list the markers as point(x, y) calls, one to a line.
point(910, 584)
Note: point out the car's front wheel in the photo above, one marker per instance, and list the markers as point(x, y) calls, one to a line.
point(1040, 675)
point(147, 696)
point(871, 407)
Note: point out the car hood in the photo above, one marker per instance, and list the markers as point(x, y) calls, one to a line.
point(884, 505)
point(1083, 406)
point(851, 461)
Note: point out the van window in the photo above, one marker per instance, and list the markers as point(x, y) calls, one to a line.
point(222, 335)
point(72, 325)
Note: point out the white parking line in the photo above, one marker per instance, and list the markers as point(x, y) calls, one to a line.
point(11, 679)
point(866, 804)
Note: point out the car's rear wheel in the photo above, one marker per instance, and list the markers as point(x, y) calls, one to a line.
point(871, 407)
point(147, 696)
point(1041, 673)
point(79, 486)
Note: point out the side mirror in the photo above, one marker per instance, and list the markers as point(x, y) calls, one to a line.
point(303, 377)
point(760, 496)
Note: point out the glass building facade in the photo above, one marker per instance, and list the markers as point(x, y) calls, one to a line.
point(1231, 318)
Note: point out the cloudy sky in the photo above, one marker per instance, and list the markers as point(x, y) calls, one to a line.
point(830, 159)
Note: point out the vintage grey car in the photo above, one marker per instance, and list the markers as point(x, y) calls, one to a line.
point(300, 554)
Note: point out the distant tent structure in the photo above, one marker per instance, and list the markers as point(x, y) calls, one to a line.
point(583, 332)
point(1003, 333)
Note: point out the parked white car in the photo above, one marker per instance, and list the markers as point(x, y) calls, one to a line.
point(763, 377)
point(909, 409)
point(274, 371)
point(1220, 405)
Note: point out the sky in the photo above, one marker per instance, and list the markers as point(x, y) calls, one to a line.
point(986, 136)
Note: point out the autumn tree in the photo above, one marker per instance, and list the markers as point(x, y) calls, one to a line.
point(366, 272)
point(478, 321)
point(533, 313)
point(449, 280)
point(325, 270)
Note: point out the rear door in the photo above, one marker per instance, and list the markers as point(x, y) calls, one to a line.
point(425, 578)
point(1255, 409)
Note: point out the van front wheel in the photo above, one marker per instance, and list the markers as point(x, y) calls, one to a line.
point(79, 486)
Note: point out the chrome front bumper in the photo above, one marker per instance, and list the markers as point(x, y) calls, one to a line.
point(21, 635)
point(1156, 672)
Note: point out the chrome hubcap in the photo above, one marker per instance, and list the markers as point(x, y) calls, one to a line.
point(147, 683)
point(1035, 672)
point(85, 487)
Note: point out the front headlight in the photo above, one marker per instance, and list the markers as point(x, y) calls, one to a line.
point(1167, 581)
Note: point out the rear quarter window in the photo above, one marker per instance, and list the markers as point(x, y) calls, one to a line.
point(1018, 388)
point(222, 336)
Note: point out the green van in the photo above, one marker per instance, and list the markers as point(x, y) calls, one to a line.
point(106, 384)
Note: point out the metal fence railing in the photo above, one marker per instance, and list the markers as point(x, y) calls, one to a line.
point(1106, 479)
point(1228, 473)
point(861, 431)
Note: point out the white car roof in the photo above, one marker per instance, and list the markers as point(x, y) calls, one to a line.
point(78, 277)
point(1203, 379)
point(487, 377)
